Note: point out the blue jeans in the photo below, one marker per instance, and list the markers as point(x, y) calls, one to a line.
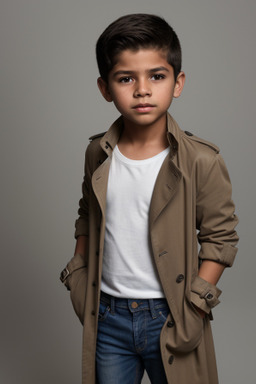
point(128, 340)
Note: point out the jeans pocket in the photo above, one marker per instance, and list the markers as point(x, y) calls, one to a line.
point(163, 313)
point(104, 310)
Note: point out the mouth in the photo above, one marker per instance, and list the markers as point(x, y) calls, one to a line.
point(144, 107)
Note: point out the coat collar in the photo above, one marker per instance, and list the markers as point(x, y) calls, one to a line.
point(111, 137)
point(168, 178)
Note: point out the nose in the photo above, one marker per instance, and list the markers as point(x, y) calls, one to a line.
point(142, 89)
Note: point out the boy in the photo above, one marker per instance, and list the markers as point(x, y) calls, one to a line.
point(137, 283)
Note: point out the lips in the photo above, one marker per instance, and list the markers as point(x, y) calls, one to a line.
point(143, 107)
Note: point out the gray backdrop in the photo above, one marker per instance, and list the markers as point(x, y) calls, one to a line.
point(50, 105)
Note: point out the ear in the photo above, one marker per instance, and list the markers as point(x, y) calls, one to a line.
point(103, 87)
point(180, 81)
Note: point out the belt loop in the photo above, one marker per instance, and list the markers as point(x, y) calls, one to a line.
point(152, 308)
point(112, 305)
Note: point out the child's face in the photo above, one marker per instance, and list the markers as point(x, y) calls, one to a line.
point(142, 86)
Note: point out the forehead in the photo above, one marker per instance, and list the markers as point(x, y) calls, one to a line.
point(141, 58)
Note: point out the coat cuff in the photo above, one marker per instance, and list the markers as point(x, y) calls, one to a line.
point(77, 262)
point(224, 254)
point(204, 295)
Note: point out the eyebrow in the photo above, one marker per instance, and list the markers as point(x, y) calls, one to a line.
point(126, 72)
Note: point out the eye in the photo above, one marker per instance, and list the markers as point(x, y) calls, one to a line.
point(126, 79)
point(157, 76)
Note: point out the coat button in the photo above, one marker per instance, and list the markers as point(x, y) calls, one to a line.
point(97, 253)
point(180, 278)
point(188, 133)
point(171, 358)
point(93, 313)
point(94, 284)
point(209, 296)
point(170, 324)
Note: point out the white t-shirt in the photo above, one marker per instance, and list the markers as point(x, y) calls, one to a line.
point(128, 266)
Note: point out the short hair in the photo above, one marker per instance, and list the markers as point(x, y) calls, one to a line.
point(136, 31)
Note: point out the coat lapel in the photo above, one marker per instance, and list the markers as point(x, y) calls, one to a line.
point(100, 183)
point(165, 188)
point(168, 178)
point(100, 175)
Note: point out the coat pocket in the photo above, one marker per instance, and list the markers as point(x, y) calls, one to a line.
point(78, 283)
point(186, 333)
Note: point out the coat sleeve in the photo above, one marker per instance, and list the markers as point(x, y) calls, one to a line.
point(216, 222)
point(81, 224)
point(216, 219)
point(78, 263)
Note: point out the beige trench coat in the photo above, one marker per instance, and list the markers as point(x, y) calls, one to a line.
point(191, 203)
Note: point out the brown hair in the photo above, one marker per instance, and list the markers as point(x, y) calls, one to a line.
point(136, 31)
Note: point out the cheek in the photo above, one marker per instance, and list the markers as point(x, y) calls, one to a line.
point(122, 98)
point(167, 95)
point(120, 103)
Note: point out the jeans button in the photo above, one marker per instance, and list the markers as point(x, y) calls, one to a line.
point(134, 305)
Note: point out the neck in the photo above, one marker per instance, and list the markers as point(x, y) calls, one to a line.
point(145, 134)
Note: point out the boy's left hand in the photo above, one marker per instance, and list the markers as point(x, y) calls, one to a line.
point(209, 271)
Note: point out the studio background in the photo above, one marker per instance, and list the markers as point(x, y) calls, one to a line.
point(50, 105)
